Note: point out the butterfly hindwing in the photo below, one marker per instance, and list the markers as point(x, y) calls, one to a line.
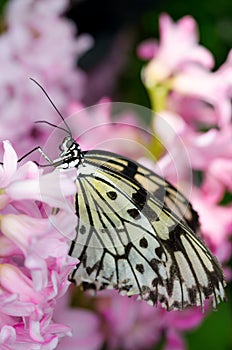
point(128, 239)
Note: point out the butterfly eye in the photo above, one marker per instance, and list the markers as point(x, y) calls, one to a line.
point(69, 143)
point(66, 144)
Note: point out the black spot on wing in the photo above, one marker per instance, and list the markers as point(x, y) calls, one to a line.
point(140, 198)
point(130, 170)
point(192, 292)
point(143, 243)
point(134, 213)
point(159, 252)
point(174, 243)
point(82, 230)
point(112, 195)
point(140, 268)
point(88, 286)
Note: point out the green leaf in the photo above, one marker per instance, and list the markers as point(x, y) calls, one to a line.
point(216, 331)
point(2, 6)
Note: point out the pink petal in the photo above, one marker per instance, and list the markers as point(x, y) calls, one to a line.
point(51, 188)
point(85, 325)
point(147, 49)
point(8, 248)
point(14, 281)
point(9, 164)
point(21, 229)
point(174, 341)
point(7, 335)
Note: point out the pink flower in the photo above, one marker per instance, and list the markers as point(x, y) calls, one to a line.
point(178, 322)
point(34, 254)
point(226, 72)
point(26, 183)
point(218, 178)
point(55, 7)
point(95, 128)
point(209, 87)
point(194, 110)
point(148, 49)
point(38, 43)
point(216, 220)
point(202, 148)
point(143, 325)
point(86, 327)
point(178, 48)
point(209, 152)
point(182, 67)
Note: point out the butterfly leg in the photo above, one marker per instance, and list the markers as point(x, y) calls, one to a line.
point(38, 148)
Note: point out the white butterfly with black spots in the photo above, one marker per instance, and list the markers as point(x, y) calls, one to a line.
point(136, 233)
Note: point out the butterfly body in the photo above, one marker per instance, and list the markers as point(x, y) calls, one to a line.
point(137, 233)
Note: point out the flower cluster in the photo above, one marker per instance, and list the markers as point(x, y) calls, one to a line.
point(196, 108)
point(37, 43)
point(34, 261)
point(193, 111)
point(94, 127)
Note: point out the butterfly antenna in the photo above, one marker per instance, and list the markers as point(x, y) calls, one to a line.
point(51, 124)
point(54, 106)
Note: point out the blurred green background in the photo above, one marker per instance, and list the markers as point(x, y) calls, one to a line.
point(122, 25)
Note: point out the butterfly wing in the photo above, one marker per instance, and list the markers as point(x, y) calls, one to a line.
point(128, 239)
point(153, 183)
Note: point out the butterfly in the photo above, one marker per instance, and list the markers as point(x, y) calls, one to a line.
point(136, 232)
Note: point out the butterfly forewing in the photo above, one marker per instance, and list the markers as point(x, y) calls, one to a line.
point(153, 183)
point(129, 239)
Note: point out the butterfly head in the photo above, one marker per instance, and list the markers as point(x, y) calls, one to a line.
point(71, 155)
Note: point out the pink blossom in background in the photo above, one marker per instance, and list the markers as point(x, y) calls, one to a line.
point(41, 44)
point(95, 128)
point(210, 153)
point(203, 97)
point(99, 127)
point(209, 87)
point(137, 330)
point(34, 261)
point(86, 325)
point(178, 48)
point(133, 325)
point(217, 181)
point(123, 323)
point(184, 68)
point(195, 98)
point(203, 148)
point(216, 231)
